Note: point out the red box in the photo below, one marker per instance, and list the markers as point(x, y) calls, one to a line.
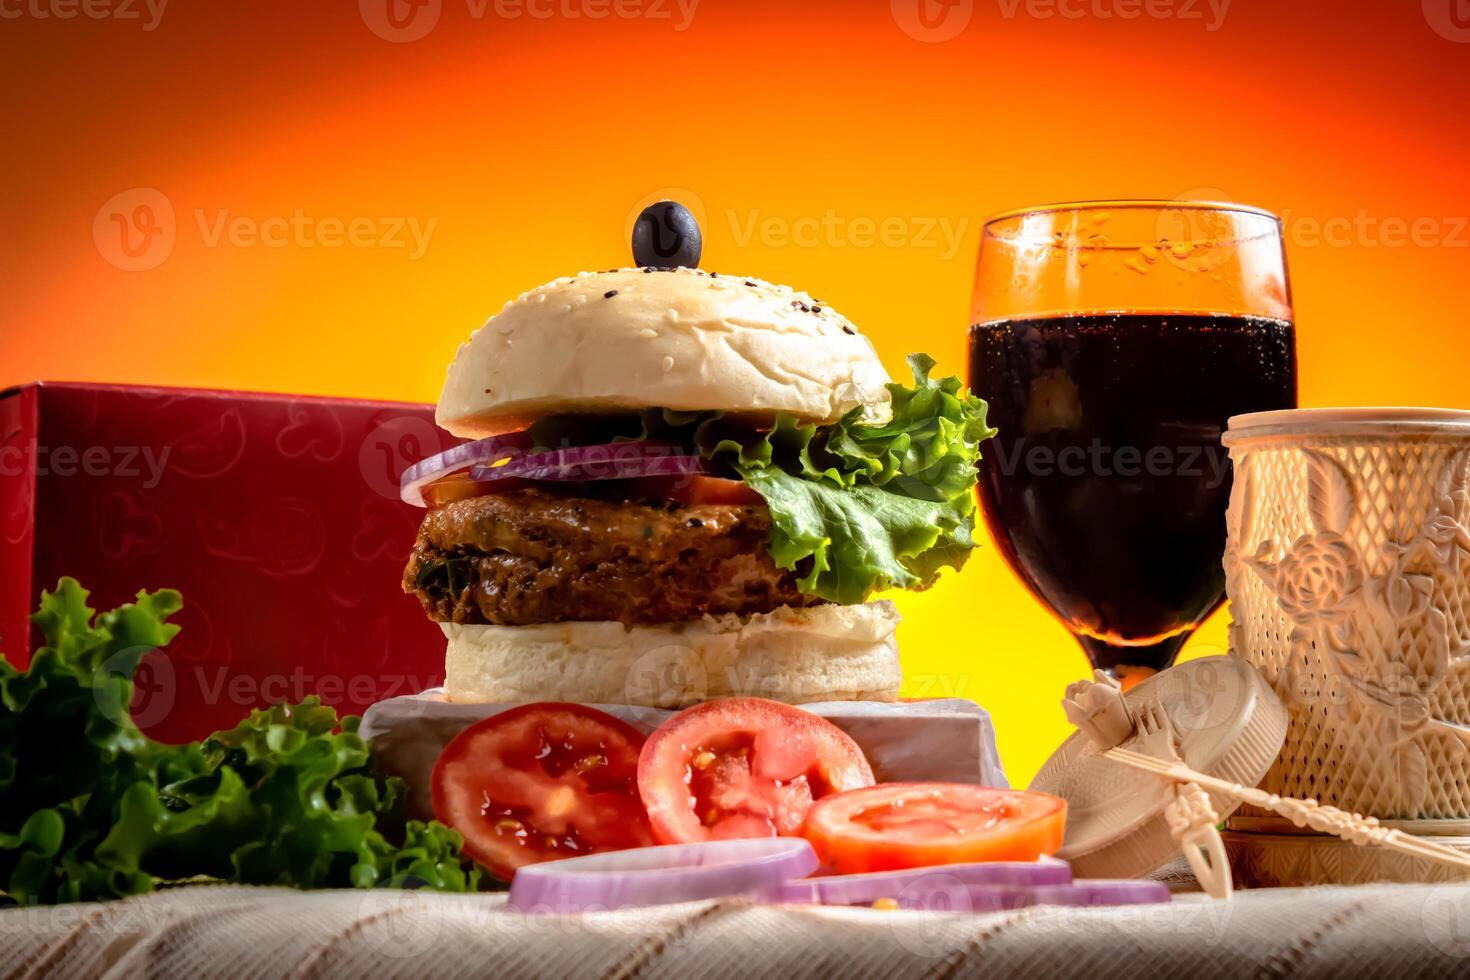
point(276, 516)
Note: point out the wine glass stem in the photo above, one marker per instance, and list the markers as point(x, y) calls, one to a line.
point(1131, 664)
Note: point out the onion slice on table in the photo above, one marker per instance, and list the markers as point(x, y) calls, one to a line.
point(481, 453)
point(606, 461)
point(660, 875)
point(862, 889)
point(941, 892)
point(1099, 892)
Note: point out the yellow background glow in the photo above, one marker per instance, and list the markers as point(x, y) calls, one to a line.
point(824, 145)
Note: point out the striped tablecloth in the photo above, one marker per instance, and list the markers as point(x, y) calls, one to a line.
point(1386, 931)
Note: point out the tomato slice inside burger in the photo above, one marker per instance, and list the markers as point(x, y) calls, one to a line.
point(700, 489)
point(743, 767)
point(917, 825)
point(540, 782)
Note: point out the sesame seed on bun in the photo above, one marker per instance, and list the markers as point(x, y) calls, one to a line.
point(679, 338)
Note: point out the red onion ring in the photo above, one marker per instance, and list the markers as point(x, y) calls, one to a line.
point(481, 452)
point(608, 461)
point(863, 889)
point(659, 875)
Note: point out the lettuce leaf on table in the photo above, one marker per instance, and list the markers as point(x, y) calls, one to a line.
point(91, 808)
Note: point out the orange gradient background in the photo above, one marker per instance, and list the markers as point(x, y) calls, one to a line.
point(529, 141)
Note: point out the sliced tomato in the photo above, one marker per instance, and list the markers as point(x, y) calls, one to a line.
point(459, 486)
point(448, 489)
point(691, 490)
point(540, 782)
point(918, 825)
point(743, 767)
point(713, 490)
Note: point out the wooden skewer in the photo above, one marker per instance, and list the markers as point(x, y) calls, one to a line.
point(1302, 813)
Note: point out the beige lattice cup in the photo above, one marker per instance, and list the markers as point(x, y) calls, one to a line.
point(1348, 569)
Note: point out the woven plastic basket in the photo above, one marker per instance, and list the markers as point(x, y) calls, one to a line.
point(1348, 569)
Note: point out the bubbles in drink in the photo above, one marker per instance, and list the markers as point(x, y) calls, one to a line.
point(1107, 485)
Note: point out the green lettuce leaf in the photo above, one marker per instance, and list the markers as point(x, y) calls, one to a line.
point(855, 508)
point(864, 508)
point(91, 808)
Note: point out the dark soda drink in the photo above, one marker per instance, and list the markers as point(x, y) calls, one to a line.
point(1107, 485)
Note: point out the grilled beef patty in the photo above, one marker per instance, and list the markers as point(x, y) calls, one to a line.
point(532, 557)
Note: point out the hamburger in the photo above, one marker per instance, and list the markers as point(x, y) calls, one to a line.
point(680, 485)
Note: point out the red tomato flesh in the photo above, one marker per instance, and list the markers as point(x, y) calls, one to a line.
point(713, 490)
point(743, 767)
point(541, 782)
point(459, 486)
point(919, 825)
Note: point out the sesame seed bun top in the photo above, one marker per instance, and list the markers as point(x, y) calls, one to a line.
point(680, 338)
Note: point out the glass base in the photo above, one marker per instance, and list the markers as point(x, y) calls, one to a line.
point(1130, 664)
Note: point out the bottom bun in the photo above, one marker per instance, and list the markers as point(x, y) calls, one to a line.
point(819, 653)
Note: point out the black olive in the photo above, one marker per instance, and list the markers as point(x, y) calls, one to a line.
point(666, 235)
